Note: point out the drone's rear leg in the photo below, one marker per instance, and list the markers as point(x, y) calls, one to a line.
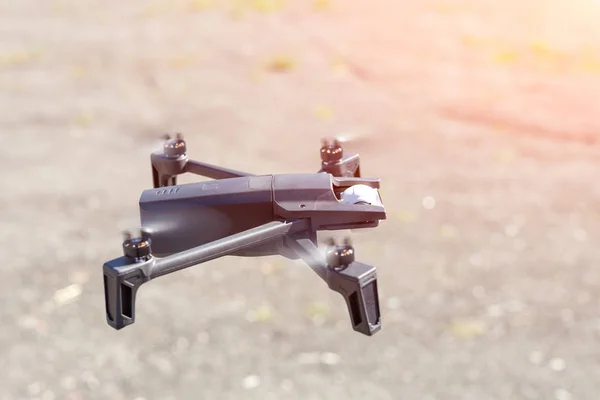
point(159, 180)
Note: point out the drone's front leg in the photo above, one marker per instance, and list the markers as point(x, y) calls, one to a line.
point(122, 278)
point(355, 281)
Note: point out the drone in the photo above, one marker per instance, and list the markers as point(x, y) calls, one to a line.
point(245, 215)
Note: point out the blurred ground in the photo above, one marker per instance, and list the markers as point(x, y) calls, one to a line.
point(481, 118)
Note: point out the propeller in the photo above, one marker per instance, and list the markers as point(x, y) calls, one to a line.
point(356, 142)
point(156, 142)
point(153, 142)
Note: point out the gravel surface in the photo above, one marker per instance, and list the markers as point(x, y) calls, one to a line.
point(479, 117)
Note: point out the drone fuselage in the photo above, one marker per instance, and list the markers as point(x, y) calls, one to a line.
point(180, 217)
point(241, 214)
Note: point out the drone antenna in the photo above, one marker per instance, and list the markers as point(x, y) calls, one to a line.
point(179, 136)
point(126, 235)
point(166, 136)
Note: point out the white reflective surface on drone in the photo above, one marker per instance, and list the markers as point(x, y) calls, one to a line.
point(361, 194)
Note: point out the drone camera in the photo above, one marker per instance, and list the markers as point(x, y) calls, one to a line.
point(360, 194)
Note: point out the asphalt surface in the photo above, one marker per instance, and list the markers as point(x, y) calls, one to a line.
point(480, 119)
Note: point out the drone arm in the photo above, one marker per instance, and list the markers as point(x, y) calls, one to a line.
point(174, 160)
point(357, 283)
point(308, 251)
point(165, 171)
point(219, 248)
point(212, 171)
point(124, 275)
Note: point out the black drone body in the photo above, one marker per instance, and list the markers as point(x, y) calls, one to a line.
point(240, 214)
